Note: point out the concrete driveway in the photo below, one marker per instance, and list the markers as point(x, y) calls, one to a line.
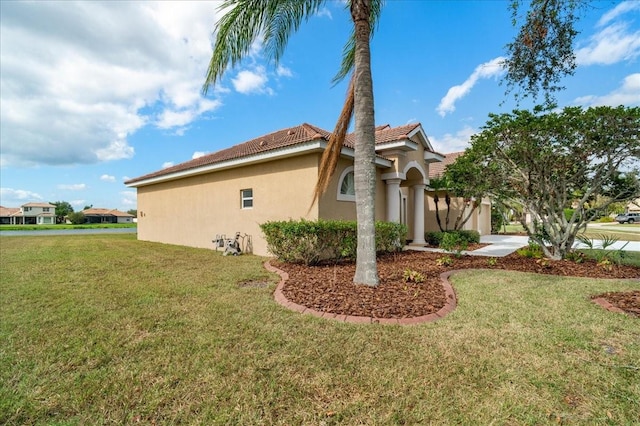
point(503, 245)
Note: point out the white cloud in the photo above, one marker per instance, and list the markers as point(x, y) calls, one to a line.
point(282, 71)
point(10, 197)
point(129, 198)
point(611, 45)
point(247, 82)
point(108, 178)
point(73, 95)
point(167, 164)
point(324, 12)
point(73, 187)
point(453, 142)
point(493, 68)
point(620, 9)
point(79, 204)
point(627, 94)
point(198, 154)
point(614, 42)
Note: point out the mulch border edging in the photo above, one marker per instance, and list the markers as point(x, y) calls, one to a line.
point(450, 304)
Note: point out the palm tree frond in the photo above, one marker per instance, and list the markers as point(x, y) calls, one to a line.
point(331, 154)
point(245, 21)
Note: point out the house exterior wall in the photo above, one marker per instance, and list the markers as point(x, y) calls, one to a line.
point(633, 206)
point(192, 211)
point(330, 208)
point(480, 220)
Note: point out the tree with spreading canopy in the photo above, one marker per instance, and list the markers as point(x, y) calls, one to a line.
point(63, 209)
point(461, 179)
point(544, 162)
point(273, 21)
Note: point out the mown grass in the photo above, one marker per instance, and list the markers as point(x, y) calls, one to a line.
point(105, 329)
point(66, 226)
point(626, 232)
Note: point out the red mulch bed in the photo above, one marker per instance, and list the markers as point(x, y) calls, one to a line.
point(330, 288)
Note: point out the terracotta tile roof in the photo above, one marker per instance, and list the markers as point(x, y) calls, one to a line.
point(105, 212)
point(386, 134)
point(9, 211)
point(437, 169)
point(38, 205)
point(279, 139)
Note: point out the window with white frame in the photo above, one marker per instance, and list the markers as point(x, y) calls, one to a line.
point(346, 185)
point(246, 198)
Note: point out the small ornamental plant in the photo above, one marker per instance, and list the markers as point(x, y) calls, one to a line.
point(444, 261)
point(411, 276)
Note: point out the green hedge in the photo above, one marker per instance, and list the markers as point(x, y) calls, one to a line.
point(309, 242)
point(434, 238)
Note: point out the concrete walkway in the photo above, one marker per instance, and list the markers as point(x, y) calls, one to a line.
point(503, 245)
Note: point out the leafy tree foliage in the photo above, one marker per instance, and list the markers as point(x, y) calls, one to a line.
point(63, 208)
point(77, 218)
point(544, 162)
point(542, 52)
point(133, 212)
point(461, 179)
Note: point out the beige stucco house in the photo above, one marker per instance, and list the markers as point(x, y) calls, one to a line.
point(272, 177)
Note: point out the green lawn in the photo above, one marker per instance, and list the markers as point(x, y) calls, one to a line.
point(106, 329)
point(624, 232)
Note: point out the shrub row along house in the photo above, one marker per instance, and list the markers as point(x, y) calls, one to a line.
point(272, 177)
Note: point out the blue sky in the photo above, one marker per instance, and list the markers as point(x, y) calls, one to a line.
point(94, 93)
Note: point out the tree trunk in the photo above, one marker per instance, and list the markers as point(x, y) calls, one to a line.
point(364, 162)
point(436, 199)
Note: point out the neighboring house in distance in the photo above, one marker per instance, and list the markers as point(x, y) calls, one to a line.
point(633, 206)
point(96, 215)
point(7, 214)
point(480, 219)
point(29, 214)
point(272, 177)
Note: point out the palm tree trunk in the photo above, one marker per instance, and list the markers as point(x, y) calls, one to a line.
point(364, 162)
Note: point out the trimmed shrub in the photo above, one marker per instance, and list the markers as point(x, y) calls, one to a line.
point(434, 238)
point(310, 242)
point(472, 237)
point(454, 242)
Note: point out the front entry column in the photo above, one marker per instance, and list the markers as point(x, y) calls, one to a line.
point(418, 214)
point(393, 200)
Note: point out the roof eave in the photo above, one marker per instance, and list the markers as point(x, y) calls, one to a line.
point(294, 150)
point(433, 157)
